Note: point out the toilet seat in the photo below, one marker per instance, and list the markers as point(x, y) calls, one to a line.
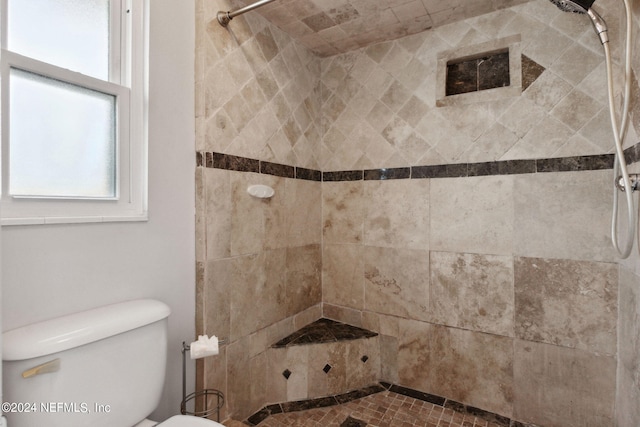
point(188, 421)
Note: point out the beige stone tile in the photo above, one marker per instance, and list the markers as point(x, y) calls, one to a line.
point(397, 281)
point(472, 215)
point(258, 291)
point(303, 207)
point(567, 303)
point(563, 215)
point(342, 314)
point(473, 291)
point(468, 367)
point(628, 384)
point(491, 145)
point(216, 306)
point(343, 275)
point(217, 213)
point(238, 397)
point(389, 359)
point(362, 359)
point(247, 231)
point(258, 389)
point(564, 387)
point(565, 65)
point(342, 212)
point(334, 381)
point(296, 360)
point(308, 315)
point(522, 116)
point(547, 90)
point(397, 213)
point(546, 138)
point(276, 213)
point(576, 109)
point(303, 278)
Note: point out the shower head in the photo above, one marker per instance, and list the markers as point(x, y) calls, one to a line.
point(582, 7)
point(576, 6)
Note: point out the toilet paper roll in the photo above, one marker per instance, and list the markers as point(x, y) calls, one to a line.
point(204, 347)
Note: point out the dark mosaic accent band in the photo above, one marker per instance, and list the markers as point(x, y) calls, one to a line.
point(242, 164)
point(580, 163)
point(632, 154)
point(277, 169)
point(425, 397)
point(454, 170)
point(343, 176)
point(387, 173)
point(308, 174)
point(322, 402)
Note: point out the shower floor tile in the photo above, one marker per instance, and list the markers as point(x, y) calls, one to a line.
point(384, 409)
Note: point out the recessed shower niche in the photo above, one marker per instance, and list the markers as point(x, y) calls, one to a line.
point(488, 71)
point(479, 73)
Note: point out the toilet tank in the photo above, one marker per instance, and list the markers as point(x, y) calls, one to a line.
point(101, 367)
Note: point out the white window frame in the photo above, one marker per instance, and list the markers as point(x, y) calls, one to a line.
point(129, 83)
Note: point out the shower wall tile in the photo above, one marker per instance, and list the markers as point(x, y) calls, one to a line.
point(303, 278)
point(563, 215)
point(238, 397)
point(350, 316)
point(567, 303)
point(334, 381)
point(564, 387)
point(464, 366)
point(251, 101)
point(628, 383)
point(259, 281)
point(215, 375)
point(389, 359)
point(362, 359)
point(248, 215)
point(397, 214)
point(303, 207)
point(472, 291)
point(216, 310)
point(343, 207)
point(388, 92)
point(295, 359)
point(472, 215)
point(397, 282)
point(217, 198)
point(343, 275)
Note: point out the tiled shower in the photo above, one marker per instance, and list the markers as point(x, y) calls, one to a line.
point(471, 234)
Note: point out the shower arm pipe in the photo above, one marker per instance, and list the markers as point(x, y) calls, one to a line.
point(225, 17)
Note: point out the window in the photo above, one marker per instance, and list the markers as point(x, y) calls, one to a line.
point(72, 100)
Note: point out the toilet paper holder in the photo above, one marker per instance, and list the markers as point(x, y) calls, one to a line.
point(199, 398)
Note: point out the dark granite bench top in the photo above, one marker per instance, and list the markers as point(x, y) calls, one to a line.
point(323, 331)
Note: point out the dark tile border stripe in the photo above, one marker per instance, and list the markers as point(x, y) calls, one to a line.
point(322, 402)
point(454, 170)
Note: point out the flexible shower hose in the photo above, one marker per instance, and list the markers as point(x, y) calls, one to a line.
point(619, 132)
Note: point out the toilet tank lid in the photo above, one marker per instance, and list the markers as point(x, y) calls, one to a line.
point(73, 330)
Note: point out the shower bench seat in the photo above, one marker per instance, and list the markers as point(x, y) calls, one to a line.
point(324, 358)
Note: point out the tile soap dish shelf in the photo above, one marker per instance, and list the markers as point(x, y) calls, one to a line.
point(261, 191)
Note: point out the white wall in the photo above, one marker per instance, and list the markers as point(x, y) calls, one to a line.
point(57, 269)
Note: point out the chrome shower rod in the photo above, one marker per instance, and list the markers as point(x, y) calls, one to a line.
point(225, 17)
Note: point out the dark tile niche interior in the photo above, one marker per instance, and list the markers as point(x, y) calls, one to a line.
point(472, 75)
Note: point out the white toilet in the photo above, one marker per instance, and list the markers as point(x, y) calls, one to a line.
point(101, 367)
